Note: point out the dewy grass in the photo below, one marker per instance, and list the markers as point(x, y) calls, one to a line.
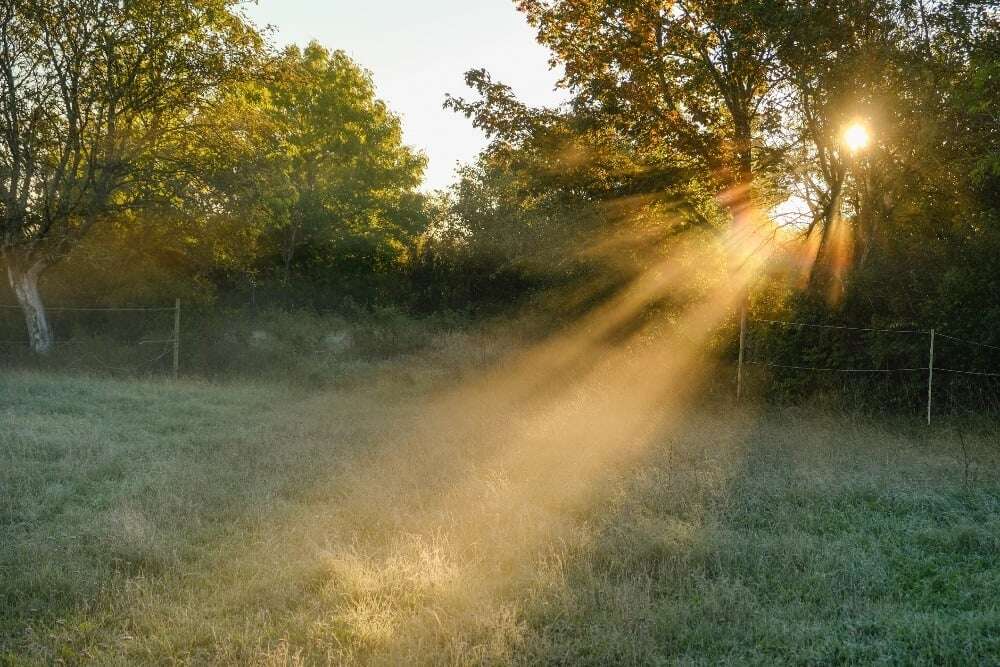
point(154, 522)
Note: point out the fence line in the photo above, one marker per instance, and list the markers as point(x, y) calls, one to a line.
point(743, 357)
point(968, 342)
point(174, 342)
point(952, 370)
point(58, 309)
point(840, 370)
point(929, 369)
point(72, 341)
point(838, 326)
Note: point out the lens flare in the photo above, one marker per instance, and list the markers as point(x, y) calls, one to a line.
point(856, 137)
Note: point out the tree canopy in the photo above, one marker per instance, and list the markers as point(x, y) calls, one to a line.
point(682, 114)
point(174, 139)
point(96, 96)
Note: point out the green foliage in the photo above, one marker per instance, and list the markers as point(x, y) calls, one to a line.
point(100, 99)
point(296, 178)
point(563, 198)
point(671, 103)
point(349, 180)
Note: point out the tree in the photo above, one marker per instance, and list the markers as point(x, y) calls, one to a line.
point(891, 63)
point(562, 193)
point(340, 152)
point(695, 74)
point(701, 71)
point(95, 96)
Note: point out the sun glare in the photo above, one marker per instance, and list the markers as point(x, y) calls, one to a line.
point(856, 137)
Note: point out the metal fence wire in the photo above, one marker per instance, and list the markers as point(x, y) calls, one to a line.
point(925, 358)
point(928, 356)
point(151, 334)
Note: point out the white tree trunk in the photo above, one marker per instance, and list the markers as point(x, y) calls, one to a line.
point(25, 286)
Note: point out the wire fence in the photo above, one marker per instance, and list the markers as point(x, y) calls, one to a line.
point(149, 338)
point(923, 361)
point(903, 366)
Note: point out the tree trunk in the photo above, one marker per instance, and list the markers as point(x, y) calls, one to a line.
point(830, 217)
point(741, 213)
point(24, 282)
point(290, 254)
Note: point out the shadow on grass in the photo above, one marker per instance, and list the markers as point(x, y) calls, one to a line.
point(798, 540)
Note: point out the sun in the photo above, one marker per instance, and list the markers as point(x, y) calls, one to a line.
point(856, 137)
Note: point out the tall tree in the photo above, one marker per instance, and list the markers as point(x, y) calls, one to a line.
point(693, 73)
point(340, 151)
point(94, 97)
point(889, 64)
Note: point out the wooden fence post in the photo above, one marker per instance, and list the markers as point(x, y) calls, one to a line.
point(930, 379)
point(177, 335)
point(739, 363)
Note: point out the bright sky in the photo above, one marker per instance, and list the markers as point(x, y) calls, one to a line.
point(418, 50)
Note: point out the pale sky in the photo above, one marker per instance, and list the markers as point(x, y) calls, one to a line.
point(418, 50)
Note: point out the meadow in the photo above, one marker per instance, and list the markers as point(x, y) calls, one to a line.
point(622, 349)
point(443, 507)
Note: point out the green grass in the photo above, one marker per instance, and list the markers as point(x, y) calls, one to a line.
point(388, 520)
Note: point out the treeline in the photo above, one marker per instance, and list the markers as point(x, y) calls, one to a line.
point(153, 150)
point(684, 116)
point(300, 190)
point(156, 150)
point(701, 125)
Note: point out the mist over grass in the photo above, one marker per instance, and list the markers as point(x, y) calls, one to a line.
point(434, 508)
point(495, 424)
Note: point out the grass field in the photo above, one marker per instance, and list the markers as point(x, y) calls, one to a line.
point(418, 513)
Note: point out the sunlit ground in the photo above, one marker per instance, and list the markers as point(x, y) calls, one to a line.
point(570, 501)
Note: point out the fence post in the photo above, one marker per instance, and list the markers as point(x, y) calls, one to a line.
point(930, 379)
point(739, 363)
point(177, 335)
